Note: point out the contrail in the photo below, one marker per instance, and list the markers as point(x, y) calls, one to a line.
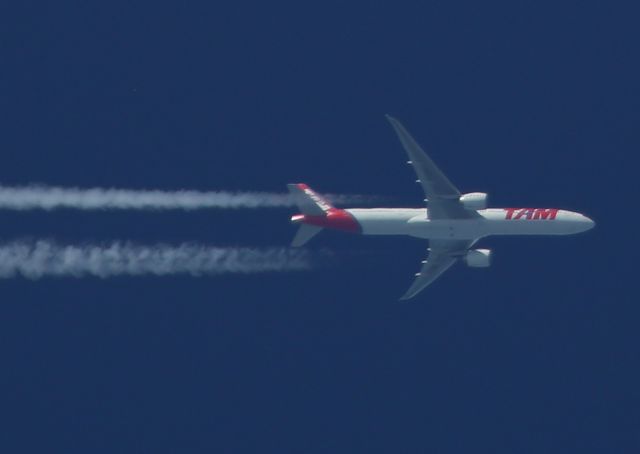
point(38, 259)
point(53, 197)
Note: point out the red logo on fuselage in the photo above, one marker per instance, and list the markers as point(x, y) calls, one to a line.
point(531, 213)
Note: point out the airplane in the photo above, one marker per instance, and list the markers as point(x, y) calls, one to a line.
point(452, 222)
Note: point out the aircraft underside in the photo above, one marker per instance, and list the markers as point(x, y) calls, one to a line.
point(416, 223)
point(452, 222)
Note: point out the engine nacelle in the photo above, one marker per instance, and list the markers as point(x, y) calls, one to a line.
point(478, 258)
point(474, 200)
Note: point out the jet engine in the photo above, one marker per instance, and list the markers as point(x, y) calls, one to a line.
point(478, 258)
point(474, 200)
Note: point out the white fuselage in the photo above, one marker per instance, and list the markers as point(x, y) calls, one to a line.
point(493, 221)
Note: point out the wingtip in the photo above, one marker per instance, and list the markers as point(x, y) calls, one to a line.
point(405, 297)
point(395, 124)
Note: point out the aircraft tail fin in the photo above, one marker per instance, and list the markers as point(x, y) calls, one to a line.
point(308, 201)
point(311, 205)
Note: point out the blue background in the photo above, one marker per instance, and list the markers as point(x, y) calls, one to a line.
point(535, 103)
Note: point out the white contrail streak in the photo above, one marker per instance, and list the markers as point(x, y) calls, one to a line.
point(41, 258)
point(52, 197)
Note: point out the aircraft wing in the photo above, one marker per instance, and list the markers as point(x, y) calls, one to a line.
point(443, 254)
point(442, 195)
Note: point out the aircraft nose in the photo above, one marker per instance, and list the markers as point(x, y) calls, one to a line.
point(588, 223)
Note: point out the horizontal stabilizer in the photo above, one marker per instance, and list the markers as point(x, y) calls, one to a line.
point(304, 234)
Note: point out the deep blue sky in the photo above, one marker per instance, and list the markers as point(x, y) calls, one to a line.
point(534, 102)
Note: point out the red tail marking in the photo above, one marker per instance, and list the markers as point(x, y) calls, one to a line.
point(335, 219)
